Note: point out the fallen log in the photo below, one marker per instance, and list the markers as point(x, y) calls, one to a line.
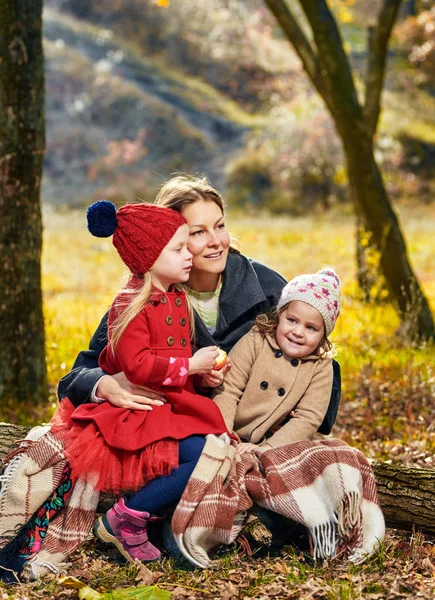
point(406, 494)
point(9, 434)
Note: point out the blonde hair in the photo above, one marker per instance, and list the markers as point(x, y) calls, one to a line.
point(129, 303)
point(267, 325)
point(178, 192)
point(183, 190)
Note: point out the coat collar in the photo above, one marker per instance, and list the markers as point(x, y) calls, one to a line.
point(157, 295)
point(241, 290)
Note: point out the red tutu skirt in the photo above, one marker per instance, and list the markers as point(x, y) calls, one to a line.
point(108, 468)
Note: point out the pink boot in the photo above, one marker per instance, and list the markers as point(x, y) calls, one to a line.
point(126, 529)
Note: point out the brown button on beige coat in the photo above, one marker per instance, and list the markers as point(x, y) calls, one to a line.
point(264, 386)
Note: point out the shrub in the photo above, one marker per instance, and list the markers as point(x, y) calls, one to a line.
point(292, 166)
point(418, 34)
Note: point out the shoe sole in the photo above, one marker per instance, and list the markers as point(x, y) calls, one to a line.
point(100, 532)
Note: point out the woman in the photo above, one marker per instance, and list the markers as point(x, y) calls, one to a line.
point(227, 291)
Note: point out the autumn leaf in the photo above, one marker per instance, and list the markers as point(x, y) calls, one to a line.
point(85, 592)
point(162, 3)
point(144, 575)
point(281, 567)
point(427, 564)
point(149, 592)
point(88, 593)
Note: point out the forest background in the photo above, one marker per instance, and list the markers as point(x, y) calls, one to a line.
point(137, 90)
point(131, 100)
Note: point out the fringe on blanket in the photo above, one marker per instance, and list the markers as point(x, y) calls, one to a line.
point(324, 485)
point(44, 516)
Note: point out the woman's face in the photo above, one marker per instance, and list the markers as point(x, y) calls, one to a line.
point(209, 239)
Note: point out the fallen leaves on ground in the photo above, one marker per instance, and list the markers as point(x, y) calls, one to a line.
point(149, 592)
point(403, 569)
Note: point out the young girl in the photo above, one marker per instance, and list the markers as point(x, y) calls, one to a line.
point(279, 386)
point(117, 449)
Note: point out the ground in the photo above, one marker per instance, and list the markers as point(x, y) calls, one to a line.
point(404, 568)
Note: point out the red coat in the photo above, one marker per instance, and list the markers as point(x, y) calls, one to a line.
point(154, 351)
point(155, 346)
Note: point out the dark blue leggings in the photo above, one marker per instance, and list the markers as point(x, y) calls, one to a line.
point(164, 492)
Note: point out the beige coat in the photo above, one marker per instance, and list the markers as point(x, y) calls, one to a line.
point(264, 386)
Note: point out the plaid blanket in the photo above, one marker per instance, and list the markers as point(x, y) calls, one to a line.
point(36, 495)
point(325, 485)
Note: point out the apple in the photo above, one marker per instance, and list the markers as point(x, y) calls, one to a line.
point(221, 360)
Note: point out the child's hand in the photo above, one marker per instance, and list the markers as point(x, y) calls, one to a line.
point(203, 360)
point(215, 378)
point(244, 447)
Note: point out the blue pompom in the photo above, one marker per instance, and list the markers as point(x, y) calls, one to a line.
point(101, 218)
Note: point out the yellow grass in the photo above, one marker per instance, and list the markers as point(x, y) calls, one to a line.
point(81, 274)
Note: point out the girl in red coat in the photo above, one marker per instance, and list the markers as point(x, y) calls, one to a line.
point(149, 453)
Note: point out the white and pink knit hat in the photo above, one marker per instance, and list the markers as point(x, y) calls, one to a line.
point(320, 290)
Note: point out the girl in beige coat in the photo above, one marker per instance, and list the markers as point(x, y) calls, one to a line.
point(279, 386)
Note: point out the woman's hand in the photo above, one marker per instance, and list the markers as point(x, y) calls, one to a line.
point(203, 360)
point(119, 391)
point(215, 378)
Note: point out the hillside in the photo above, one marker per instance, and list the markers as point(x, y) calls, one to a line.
point(100, 93)
point(136, 92)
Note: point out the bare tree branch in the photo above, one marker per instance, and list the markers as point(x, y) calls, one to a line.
point(334, 65)
point(301, 44)
point(378, 36)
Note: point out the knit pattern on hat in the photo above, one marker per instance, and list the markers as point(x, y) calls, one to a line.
point(140, 231)
point(320, 290)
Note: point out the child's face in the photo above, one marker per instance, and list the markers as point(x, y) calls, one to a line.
point(300, 329)
point(174, 263)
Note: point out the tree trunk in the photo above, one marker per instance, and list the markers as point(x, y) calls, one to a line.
point(329, 70)
point(406, 495)
point(367, 186)
point(370, 279)
point(380, 220)
point(22, 141)
point(367, 271)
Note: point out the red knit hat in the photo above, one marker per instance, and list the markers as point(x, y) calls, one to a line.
point(140, 231)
